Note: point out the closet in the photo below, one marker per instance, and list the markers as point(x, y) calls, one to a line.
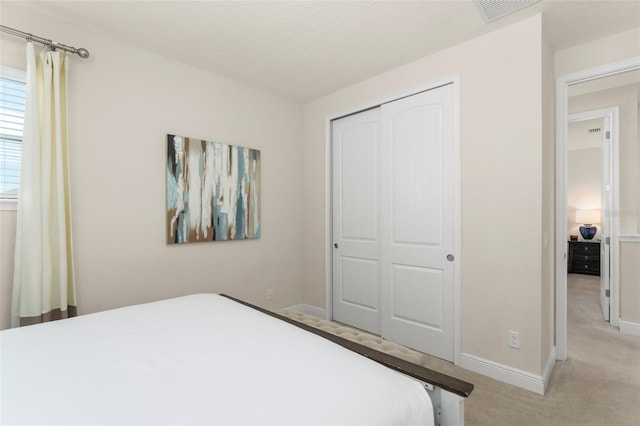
point(394, 208)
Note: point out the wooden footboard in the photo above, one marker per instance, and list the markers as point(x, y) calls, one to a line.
point(447, 393)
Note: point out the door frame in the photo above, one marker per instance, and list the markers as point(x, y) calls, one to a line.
point(457, 252)
point(562, 86)
point(612, 113)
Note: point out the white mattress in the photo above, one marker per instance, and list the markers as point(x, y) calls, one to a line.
point(200, 359)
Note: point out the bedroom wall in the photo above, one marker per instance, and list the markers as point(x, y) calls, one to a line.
point(630, 293)
point(547, 355)
point(630, 301)
point(584, 171)
point(123, 101)
point(626, 98)
point(501, 142)
point(605, 50)
point(584, 180)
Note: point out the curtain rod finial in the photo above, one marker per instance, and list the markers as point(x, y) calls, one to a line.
point(83, 53)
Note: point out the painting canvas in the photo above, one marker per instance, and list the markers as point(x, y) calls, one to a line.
point(213, 191)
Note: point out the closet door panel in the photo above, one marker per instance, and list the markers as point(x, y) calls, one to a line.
point(356, 228)
point(417, 175)
point(417, 226)
point(424, 285)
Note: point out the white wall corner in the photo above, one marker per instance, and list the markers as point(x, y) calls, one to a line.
point(630, 328)
point(309, 310)
point(548, 369)
point(504, 373)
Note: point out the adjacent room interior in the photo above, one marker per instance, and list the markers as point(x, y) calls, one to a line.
point(602, 130)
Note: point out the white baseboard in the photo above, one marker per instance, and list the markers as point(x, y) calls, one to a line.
point(548, 369)
point(309, 310)
point(506, 374)
point(631, 328)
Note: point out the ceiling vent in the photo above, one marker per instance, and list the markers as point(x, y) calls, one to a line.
point(496, 9)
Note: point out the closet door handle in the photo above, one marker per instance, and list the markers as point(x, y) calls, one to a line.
point(335, 245)
point(450, 257)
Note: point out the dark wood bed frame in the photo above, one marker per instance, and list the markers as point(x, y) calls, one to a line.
point(447, 393)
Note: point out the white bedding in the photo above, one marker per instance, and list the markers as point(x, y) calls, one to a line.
point(200, 359)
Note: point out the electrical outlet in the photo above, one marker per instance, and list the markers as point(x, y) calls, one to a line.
point(270, 294)
point(513, 339)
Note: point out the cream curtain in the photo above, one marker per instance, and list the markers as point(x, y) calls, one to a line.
point(43, 278)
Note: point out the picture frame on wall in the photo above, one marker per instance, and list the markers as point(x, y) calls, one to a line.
point(213, 191)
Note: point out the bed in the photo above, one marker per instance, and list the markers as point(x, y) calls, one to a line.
point(209, 359)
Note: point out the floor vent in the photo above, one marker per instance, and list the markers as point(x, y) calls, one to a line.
point(495, 9)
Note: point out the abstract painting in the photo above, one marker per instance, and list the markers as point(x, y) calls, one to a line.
point(213, 191)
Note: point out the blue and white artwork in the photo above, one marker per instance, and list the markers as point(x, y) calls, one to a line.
point(213, 191)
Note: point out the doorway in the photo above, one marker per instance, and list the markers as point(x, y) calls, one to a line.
point(564, 85)
point(592, 156)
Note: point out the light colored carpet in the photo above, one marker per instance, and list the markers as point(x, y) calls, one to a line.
point(598, 385)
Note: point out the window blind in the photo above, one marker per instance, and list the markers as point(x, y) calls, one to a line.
point(12, 100)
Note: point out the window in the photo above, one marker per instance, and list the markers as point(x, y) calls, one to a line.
point(12, 100)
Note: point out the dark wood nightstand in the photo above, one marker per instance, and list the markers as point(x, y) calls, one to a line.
point(584, 257)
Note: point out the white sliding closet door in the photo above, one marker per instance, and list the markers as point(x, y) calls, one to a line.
point(393, 221)
point(356, 229)
point(418, 239)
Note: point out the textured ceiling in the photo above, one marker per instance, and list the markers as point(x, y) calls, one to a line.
point(302, 50)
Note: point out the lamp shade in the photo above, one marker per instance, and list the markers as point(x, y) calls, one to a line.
point(588, 216)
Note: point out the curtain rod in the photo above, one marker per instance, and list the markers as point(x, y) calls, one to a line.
point(82, 52)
